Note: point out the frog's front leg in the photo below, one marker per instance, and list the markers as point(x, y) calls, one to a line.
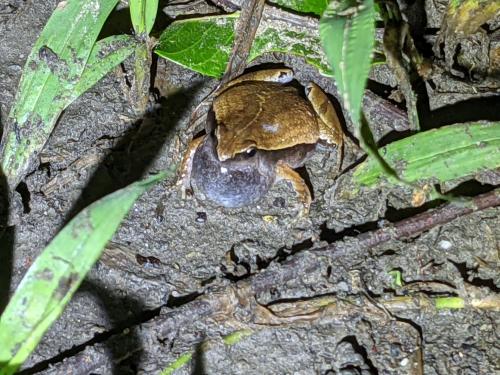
point(285, 172)
point(330, 129)
point(184, 171)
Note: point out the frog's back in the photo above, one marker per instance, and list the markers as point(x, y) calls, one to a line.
point(269, 115)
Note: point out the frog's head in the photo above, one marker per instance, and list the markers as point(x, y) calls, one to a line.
point(230, 144)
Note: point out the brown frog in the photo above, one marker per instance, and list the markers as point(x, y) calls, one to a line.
point(258, 130)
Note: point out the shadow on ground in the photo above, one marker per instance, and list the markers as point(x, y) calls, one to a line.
point(6, 244)
point(127, 162)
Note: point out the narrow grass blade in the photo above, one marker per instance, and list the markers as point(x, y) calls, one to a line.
point(105, 55)
point(230, 339)
point(177, 364)
point(143, 15)
point(139, 91)
point(438, 155)
point(204, 44)
point(56, 274)
point(442, 303)
point(52, 70)
point(347, 31)
point(236, 336)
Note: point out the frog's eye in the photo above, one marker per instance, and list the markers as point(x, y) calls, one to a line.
point(251, 152)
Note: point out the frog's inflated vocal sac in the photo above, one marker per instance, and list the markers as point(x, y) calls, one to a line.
point(258, 130)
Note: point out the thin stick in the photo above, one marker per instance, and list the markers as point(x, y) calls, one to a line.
point(299, 265)
point(219, 300)
point(246, 28)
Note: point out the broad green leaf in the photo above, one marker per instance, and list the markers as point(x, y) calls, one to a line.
point(201, 44)
point(303, 6)
point(347, 31)
point(438, 155)
point(52, 70)
point(56, 274)
point(204, 44)
point(143, 15)
point(303, 43)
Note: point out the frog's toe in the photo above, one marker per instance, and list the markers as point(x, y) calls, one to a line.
point(185, 168)
point(285, 172)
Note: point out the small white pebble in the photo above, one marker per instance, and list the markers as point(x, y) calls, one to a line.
point(223, 170)
point(445, 245)
point(343, 286)
point(404, 362)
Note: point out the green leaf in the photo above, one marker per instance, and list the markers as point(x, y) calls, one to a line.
point(177, 364)
point(52, 70)
point(449, 303)
point(467, 16)
point(397, 278)
point(143, 15)
point(56, 274)
point(204, 44)
point(230, 339)
point(235, 337)
point(303, 43)
point(438, 155)
point(201, 44)
point(105, 55)
point(347, 31)
point(303, 6)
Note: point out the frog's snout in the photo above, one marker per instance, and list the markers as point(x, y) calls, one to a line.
point(228, 150)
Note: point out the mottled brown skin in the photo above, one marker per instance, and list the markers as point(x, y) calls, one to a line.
point(275, 118)
point(257, 133)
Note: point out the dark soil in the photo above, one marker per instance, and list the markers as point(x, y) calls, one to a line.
point(173, 257)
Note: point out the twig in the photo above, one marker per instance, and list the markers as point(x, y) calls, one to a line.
point(246, 28)
point(247, 25)
point(407, 228)
point(429, 219)
point(236, 302)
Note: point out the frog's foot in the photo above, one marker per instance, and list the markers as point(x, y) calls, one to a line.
point(184, 171)
point(285, 172)
point(330, 129)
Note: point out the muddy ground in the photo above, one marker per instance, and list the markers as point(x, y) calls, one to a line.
point(181, 274)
